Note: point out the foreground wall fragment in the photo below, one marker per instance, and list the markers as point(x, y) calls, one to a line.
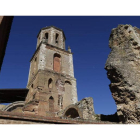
point(83, 109)
point(123, 70)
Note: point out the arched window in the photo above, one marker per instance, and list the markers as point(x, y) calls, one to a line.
point(50, 83)
point(68, 82)
point(57, 62)
point(51, 104)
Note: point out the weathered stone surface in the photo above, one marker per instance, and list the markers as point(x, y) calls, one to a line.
point(51, 82)
point(2, 106)
point(123, 70)
point(86, 105)
point(82, 110)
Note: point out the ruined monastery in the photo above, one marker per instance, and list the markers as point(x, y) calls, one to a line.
point(51, 89)
point(51, 93)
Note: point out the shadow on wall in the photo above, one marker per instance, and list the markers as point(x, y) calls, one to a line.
point(5, 26)
point(111, 118)
point(72, 113)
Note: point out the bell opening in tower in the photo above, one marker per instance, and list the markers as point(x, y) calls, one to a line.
point(56, 38)
point(46, 36)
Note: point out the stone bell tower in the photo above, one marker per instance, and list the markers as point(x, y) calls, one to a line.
point(51, 82)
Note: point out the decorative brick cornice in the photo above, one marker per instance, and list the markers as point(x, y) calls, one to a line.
point(38, 47)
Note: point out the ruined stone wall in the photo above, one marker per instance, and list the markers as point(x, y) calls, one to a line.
point(123, 70)
point(86, 105)
point(42, 92)
point(45, 62)
point(33, 87)
point(83, 109)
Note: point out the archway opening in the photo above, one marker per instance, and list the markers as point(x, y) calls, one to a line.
point(72, 113)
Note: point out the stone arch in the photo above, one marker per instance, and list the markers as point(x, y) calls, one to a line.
point(50, 83)
point(13, 106)
point(57, 62)
point(72, 111)
point(51, 104)
point(68, 82)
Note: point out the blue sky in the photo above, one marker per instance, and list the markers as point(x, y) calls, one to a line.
point(88, 37)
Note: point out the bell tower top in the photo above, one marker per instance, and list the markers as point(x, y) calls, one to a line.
point(53, 36)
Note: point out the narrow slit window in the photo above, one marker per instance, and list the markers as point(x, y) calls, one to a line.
point(50, 83)
point(32, 85)
point(51, 104)
point(56, 38)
